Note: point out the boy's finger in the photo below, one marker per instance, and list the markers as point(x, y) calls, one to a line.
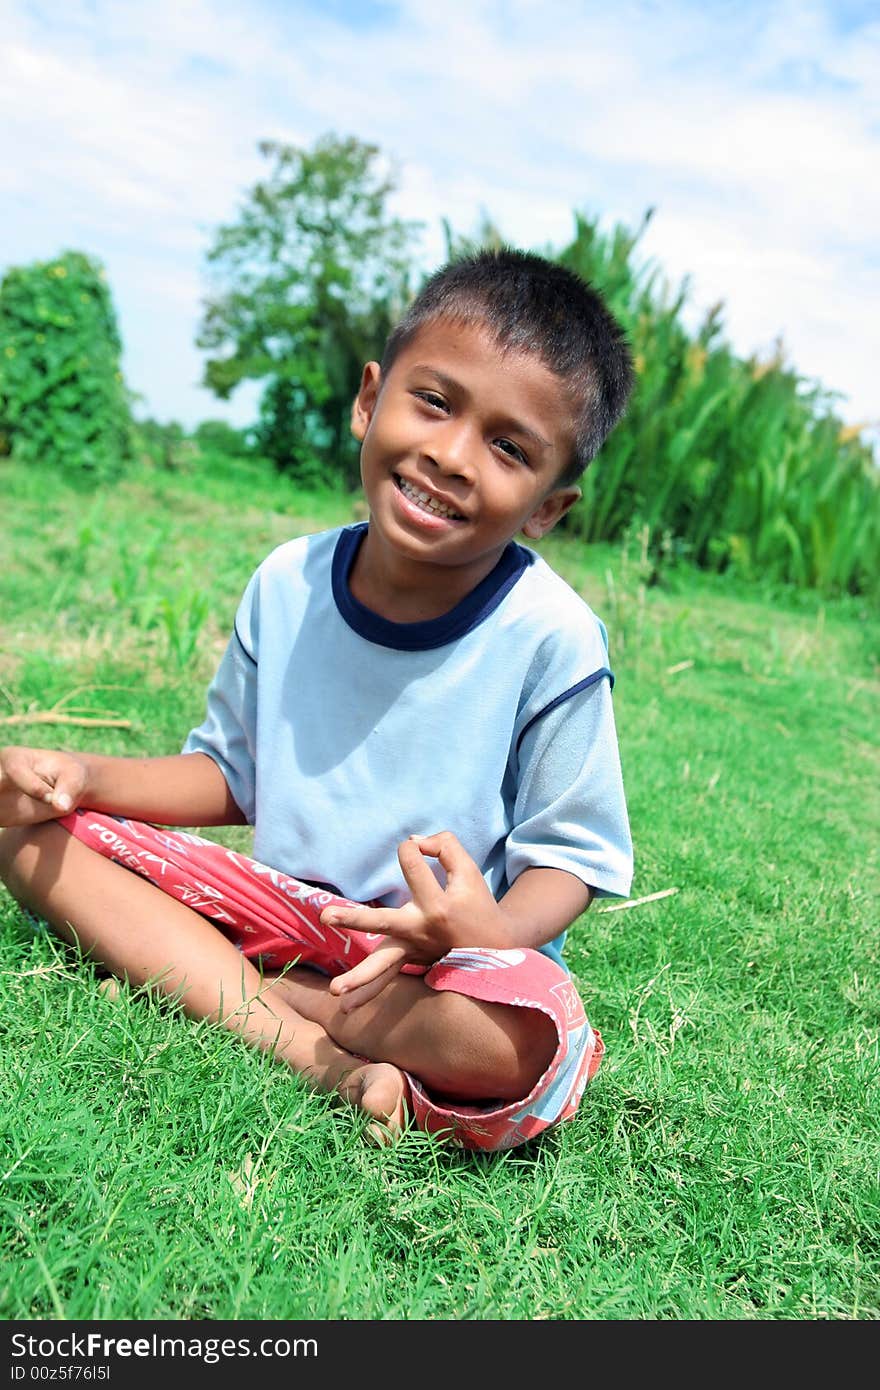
point(379, 921)
point(448, 849)
point(384, 961)
point(62, 787)
point(356, 918)
point(419, 875)
point(354, 998)
point(29, 782)
point(66, 793)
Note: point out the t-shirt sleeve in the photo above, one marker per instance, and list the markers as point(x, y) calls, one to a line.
point(228, 731)
point(570, 810)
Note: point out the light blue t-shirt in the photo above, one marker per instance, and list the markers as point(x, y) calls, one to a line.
point(341, 733)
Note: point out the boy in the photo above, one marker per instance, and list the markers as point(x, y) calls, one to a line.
point(414, 714)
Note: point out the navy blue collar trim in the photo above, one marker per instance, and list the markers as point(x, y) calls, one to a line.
point(473, 609)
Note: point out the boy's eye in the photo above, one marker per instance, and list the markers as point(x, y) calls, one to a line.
point(513, 451)
point(431, 398)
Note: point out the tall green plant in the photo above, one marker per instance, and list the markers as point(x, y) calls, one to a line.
point(62, 395)
point(737, 463)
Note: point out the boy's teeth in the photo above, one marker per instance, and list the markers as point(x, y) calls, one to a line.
point(427, 501)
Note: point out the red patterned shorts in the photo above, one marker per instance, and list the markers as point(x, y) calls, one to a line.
point(276, 919)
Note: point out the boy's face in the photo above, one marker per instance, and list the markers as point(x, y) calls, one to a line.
point(462, 447)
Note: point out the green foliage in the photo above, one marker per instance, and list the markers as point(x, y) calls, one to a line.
point(182, 616)
point(738, 464)
point(62, 396)
point(218, 437)
point(308, 281)
point(292, 432)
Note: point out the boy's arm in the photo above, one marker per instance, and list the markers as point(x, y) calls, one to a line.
point(182, 789)
point(39, 784)
point(542, 903)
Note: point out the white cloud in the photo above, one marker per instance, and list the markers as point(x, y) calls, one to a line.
point(753, 130)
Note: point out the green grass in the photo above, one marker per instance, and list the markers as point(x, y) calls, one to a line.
point(723, 1165)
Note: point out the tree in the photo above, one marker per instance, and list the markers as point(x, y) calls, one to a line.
point(307, 281)
point(62, 396)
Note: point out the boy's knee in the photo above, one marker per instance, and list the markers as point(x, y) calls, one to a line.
point(535, 1041)
point(21, 851)
point(507, 1046)
point(12, 842)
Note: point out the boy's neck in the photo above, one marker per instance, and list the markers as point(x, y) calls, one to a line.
point(403, 590)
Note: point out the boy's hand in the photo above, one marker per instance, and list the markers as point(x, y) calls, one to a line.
point(464, 913)
point(39, 784)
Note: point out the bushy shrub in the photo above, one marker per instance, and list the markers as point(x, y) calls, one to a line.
point(218, 437)
point(62, 395)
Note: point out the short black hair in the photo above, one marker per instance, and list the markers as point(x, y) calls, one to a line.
point(531, 304)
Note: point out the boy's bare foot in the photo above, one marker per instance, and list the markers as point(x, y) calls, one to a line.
point(381, 1090)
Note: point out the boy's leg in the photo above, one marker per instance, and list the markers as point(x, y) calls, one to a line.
point(488, 1076)
point(484, 1042)
point(454, 1044)
point(142, 934)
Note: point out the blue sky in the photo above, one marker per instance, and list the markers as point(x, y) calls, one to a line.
point(129, 130)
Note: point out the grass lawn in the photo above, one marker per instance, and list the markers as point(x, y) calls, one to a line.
point(723, 1165)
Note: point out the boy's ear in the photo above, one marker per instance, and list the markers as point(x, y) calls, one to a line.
point(365, 401)
point(551, 510)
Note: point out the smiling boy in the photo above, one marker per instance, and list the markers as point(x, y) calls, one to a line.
point(415, 716)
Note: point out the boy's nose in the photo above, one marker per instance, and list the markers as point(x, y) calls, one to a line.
point(453, 450)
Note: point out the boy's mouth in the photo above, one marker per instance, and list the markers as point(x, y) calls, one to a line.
point(425, 502)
